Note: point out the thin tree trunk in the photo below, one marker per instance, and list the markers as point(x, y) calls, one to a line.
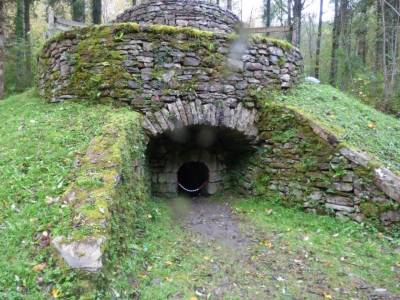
point(2, 24)
point(345, 33)
point(297, 10)
point(134, 2)
point(318, 51)
point(27, 42)
point(78, 10)
point(378, 37)
point(362, 36)
point(268, 13)
point(19, 34)
point(335, 44)
point(290, 23)
point(96, 11)
point(229, 5)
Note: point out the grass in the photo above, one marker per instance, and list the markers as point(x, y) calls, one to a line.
point(357, 124)
point(295, 255)
point(298, 253)
point(39, 143)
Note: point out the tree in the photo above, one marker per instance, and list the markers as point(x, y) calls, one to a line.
point(2, 42)
point(96, 11)
point(297, 12)
point(335, 44)
point(267, 13)
point(229, 5)
point(318, 50)
point(78, 10)
point(27, 42)
point(19, 40)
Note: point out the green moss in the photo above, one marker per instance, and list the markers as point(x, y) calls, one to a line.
point(276, 42)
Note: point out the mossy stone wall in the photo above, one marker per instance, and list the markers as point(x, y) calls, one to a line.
point(197, 14)
point(296, 166)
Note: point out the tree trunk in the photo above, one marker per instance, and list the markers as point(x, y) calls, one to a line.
point(297, 10)
point(362, 36)
point(78, 10)
point(134, 2)
point(27, 42)
point(267, 11)
point(96, 11)
point(335, 44)
point(345, 33)
point(2, 24)
point(290, 23)
point(318, 51)
point(19, 40)
point(229, 5)
point(378, 37)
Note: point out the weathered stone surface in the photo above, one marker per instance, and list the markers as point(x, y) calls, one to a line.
point(388, 182)
point(390, 217)
point(85, 254)
point(201, 14)
point(339, 200)
point(340, 207)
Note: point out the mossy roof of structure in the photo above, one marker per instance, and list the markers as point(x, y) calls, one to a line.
point(356, 124)
point(131, 27)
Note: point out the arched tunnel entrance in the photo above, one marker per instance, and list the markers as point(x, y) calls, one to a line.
point(193, 177)
point(195, 159)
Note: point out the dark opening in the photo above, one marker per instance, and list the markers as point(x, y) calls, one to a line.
point(193, 177)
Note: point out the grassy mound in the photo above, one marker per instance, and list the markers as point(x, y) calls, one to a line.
point(355, 123)
point(39, 144)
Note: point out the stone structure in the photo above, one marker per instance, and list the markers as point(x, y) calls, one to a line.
point(199, 94)
point(306, 166)
point(196, 14)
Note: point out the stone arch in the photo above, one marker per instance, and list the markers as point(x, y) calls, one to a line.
point(185, 114)
point(217, 147)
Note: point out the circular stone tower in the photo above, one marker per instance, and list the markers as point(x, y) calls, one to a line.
point(181, 64)
point(184, 13)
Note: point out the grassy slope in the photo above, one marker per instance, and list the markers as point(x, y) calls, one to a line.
point(361, 126)
point(39, 143)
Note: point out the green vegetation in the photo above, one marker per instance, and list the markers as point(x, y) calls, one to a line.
point(302, 253)
point(356, 124)
point(39, 145)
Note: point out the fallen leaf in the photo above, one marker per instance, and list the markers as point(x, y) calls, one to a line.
point(327, 296)
point(39, 267)
point(55, 293)
point(193, 298)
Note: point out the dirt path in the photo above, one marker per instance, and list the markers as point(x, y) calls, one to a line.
point(249, 267)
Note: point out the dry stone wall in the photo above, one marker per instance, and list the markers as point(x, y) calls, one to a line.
point(314, 172)
point(196, 14)
point(177, 76)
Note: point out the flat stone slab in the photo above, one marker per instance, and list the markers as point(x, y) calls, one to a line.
point(85, 254)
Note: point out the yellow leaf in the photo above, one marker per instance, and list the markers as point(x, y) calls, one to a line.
point(168, 263)
point(39, 267)
point(169, 279)
point(206, 258)
point(327, 296)
point(371, 125)
point(193, 298)
point(267, 244)
point(55, 293)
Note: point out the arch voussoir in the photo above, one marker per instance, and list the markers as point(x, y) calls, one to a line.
point(182, 114)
